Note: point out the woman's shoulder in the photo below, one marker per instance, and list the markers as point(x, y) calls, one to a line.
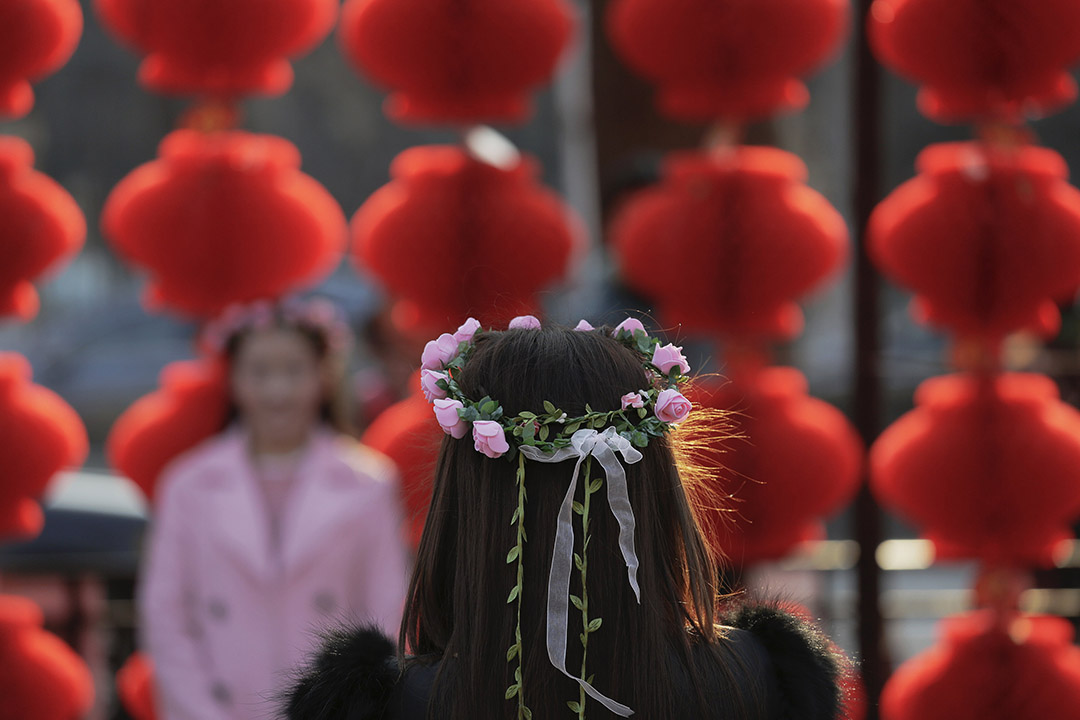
point(197, 465)
point(781, 662)
point(351, 677)
point(783, 658)
point(362, 463)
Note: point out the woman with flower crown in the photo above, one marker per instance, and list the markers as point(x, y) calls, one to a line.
point(278, 526)
point(562, 572)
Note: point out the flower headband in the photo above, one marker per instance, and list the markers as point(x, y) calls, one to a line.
point(552, 437)
point(316, 314)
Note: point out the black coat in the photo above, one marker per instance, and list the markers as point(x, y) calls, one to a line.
point(355, 675)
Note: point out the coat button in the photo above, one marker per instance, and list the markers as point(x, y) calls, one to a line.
point(193, 629)
point(217, 609)
point(220, 693)
point(325, 603)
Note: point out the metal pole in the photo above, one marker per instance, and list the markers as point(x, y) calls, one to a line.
point(867, 405)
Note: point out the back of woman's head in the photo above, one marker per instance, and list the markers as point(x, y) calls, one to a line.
point(458, 607)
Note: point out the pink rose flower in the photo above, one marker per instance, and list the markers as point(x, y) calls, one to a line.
point(669, 356)
point(632, 399)
point(467, 330)
point(428, 380)
point(489, 438)
point(321, 312)
point(525, 322)
point(446, 412)
point(672, 406)
point(630, 325)
point(439, 352)
point(583, 326)
point(261, 314)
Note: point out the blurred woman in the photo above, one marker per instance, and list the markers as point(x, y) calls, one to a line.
point(270, 531)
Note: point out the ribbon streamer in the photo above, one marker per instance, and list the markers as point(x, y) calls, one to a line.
point(602, 446)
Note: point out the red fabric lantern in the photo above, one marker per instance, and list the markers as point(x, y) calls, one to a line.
point(224, 218)
point(452, 236)
point(217, 48)
point(191, 406)
point(984, 670)
point(977, 59)
point(40, 435)
point(854, 690)
point(455, 64)
point(986, 467)
point(727, 59)
point(728, 241)
point(40, 676)
point(42, 226)
point(988, 239)
point(135, 687)
point(36, 38)
point(797, 460)
point(408, 434)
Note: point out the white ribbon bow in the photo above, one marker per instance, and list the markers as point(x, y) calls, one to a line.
point(603, 447)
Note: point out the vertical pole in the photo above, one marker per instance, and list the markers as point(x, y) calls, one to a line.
point(868, 387)
point(73, 629)
point(629, 130)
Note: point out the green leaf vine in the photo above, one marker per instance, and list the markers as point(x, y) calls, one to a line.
point(588, 625)
point(516, 553)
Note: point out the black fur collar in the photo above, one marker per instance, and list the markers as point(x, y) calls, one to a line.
point(350, 678)
point(807, 666)
point(354, 675)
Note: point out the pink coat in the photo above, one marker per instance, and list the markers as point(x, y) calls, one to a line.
point(222, 618)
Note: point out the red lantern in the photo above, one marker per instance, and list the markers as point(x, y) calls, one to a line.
point(729, 240)
point(40, 435)
point(217, 48)
point(727, 59)
point(40, 676)
point(135, 687)
point(408, 434)
point(36, 38)
point(988, 239)
point(854, 690)
point(457, 64)
point(979, 59)
point(42, 226)
point(224, 218)
point(452, 236)
point(191, 406)
point(794, 460)
point(986, 467)
point(1025, 668)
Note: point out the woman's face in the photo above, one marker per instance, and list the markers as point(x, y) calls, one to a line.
point(277, 386)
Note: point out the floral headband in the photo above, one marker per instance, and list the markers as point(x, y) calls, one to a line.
point(552, 437)
point(316, 314)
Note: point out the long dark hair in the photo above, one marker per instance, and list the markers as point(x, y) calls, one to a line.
point(648, 656)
